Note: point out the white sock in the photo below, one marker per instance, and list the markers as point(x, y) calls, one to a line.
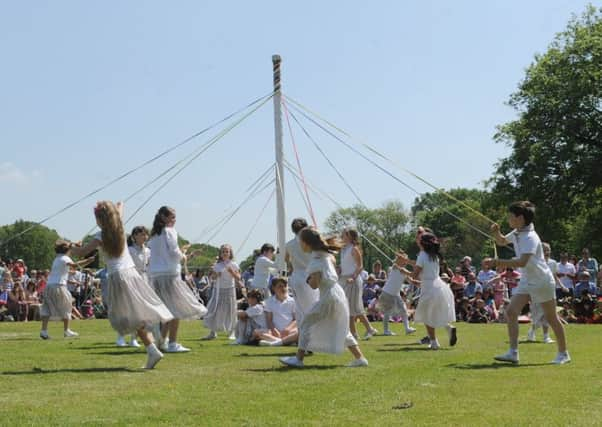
point(152, 348)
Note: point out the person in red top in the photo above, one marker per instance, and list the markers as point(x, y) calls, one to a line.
point(510, 277)
point(19, 268)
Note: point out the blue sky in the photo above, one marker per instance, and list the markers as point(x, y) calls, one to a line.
point(91, 89)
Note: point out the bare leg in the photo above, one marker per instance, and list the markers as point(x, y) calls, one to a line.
point(517, 302)
point(355, 350)
point(165, 329)
point(173, 330)
point(45, 323)
point(549, 309)
point(365, 322)
point(65, 323)
point(352, 327)
point(145, 336)
point(300, 354)
point(431, 333)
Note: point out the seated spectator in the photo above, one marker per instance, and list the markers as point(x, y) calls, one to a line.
point(33, 301)
point(500, 292)
point(373, 311)
point(445, 269)
point(458, 281)
point(584, 284)
point(7, 281)
point(589, 264)
point(17, 304)
point(510, 277)
point(479, 313)
point(472, 287)
point(566, 313)
point(585, 307)
point(490, 304)
point(280, 317)
point(486, 275)
point(251, 320)
point(370, 290)
point(466, 267)
point(463, 310)
point(379, 274)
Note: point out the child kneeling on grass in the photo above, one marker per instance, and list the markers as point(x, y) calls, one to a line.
point(251, 321)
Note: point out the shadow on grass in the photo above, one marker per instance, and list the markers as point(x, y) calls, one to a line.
point(493, 365)
point(123, 352)
point(40, 371)
point(290, 368)
point(400, 344)
point(405, 349)
point(290, 353)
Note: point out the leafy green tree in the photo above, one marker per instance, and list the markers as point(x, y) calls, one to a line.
point(36, 247)
point(556, 140)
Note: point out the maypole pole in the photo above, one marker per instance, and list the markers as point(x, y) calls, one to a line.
point(279, 166)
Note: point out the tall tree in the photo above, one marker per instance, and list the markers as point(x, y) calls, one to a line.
point(556, 140)
point(36, 247)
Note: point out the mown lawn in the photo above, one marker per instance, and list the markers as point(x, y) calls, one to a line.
point(89, 381)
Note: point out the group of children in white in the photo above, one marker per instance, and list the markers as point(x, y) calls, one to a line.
point(145, 289)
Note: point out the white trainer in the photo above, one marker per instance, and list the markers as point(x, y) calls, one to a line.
point(163, 343)
point(562, 358)
point(548, 340)
point(175, 347)
point(370, 334)
point(358, 363)
point(134, 343)
point(509, 356)
point(154, 357)
point(410, 330)
point(531, 336)
point(291, 361)
point(44, 335)
point(389, 334)
point(120, 341)
point(70, 334)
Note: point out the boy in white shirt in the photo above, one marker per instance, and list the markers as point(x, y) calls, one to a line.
point(265, 267)
point(280, 317)
point(537, 281)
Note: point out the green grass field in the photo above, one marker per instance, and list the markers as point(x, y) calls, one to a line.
point(90, 381)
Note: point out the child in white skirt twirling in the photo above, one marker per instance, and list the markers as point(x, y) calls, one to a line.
point(133, 306)
point(390, 301)
point(325, 328)
point(221, 308)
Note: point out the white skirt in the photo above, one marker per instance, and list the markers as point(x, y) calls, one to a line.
point(221, 314)
point(178, 297)
point(132, 303)
point(436, 306)
point(56, 303)
point(353, 292)
point(325, 328)
point(305, 296)
point(392, 304)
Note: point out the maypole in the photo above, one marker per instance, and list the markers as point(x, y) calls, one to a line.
point(279, 166)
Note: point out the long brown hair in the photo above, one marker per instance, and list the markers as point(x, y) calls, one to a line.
point(161, 220)
point(312, 238)
point(354, 236)
point(109, 221)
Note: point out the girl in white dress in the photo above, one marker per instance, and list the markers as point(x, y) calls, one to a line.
point(298, 260)
point(57, 299)
point(221, 314)
point(436, 305)
point(133, 305)
point(325, 328)
point(140, 255)
point(165, 274)
point(351, 281)
point(390, 301)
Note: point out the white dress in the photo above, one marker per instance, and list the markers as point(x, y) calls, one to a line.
point(141, 257)
point(305, 296)
point(325, 328)
point(390, 301)
point(56, 303)
point(436, 305)
point(132, 303)
point(221, 308)
point(353, 291)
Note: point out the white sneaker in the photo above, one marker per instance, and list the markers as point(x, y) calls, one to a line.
point(370, 334)
point(134, 343)
point(389, 334)
point(163, 343)
point(531, 336)
point(236, 342)
point(434, 345)
point(120, 341)
point(562, 358)
point(266, 343)
point(410, 330)
point(70, 334)
point(212, 335)
point(548, 340)
point(175, 347)
point(44, 335)
point(509, 356)
point(153, 358)
point(232, 337)
point(291, 361)
point(358, 363)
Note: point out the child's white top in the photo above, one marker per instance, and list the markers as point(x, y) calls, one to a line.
point(526, 241)
point(322, 262)
point(394, 282)
point(263, 268)
point(256, 314)
point(348, 265)
point(283, 312)
point(298, 258)
point(122, 262)
point(430, 268)
point(60, 270)
point(140, 255)
point(224, 279)
point(165, 253)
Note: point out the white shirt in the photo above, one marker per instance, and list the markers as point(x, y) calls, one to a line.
point(430, 268)
point(224, 279)
point(394, 282)
point(257, 315)
point(141, 256)
point(526, 241)
point(60, 270)
point(348, 265)
point(567, 268)
point(283, 312)
point(122, 262)
point(75, 276)
point(165, 253)
point(263, 268)
point(322, 262)
point(298, 258)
